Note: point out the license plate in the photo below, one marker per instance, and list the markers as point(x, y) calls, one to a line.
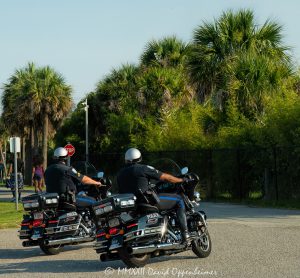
point(116, 242)
point(113, 222)
point(38, 215)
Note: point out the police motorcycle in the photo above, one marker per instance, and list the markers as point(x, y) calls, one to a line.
point(136, 232)
point(52, 221)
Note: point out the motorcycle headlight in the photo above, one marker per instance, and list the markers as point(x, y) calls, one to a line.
point(197, 196)
point(108, 193)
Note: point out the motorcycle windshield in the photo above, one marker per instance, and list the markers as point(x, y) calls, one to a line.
point(167, 165)
point(85, 168)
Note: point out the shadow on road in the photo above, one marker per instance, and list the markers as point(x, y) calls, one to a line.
point(19, 253)
point(30, 252)
point(57, 266)
point(52, 264)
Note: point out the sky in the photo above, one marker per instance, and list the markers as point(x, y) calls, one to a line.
point(84, 40)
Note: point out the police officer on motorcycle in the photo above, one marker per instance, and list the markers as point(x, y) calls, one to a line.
point(134, 178)
point(59, 178)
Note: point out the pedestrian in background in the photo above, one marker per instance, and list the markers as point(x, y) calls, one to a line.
point(2, 171)
point(38, 175)
point(11, 179)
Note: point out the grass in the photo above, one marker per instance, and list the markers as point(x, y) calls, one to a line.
point(9, 217)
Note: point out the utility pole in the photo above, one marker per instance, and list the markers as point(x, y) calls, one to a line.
point(15, 147)
point(86, 108)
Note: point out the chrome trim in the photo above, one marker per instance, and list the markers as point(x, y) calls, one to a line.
point(68, 240)
point(151, 248)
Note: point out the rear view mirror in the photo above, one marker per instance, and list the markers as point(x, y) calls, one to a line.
point(184, 170)
point(100, 175)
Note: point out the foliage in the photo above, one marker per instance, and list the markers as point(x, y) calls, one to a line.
point(232, 94)
point(167, 52)
point(226, 48)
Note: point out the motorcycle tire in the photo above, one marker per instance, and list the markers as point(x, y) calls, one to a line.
point(50, 250)
point(202, 248)
point(133, 261)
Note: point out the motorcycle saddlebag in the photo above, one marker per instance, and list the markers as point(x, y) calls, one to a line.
point(31, 202)
point(49, 200)
point(115, 203)
point(40, 201)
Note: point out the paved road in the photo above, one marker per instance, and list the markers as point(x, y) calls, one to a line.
point(247, 242)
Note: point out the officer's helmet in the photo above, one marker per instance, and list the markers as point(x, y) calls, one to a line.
point(60, 153)
point(133, 155)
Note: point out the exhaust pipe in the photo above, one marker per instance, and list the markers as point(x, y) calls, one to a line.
point(30, 243)
point(69, 240)
point(152, 248)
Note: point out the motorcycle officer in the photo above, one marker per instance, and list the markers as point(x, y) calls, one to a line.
point(59, 178)
point(134, 178)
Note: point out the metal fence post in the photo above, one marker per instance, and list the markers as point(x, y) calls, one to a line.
point(275, 172)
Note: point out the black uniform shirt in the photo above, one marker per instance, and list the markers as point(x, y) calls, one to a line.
point(136, 176)
point(59, 178)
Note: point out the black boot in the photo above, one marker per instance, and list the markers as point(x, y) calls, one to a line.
point(183, 225)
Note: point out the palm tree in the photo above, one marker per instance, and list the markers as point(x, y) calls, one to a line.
point(52, 99)
point(34, 99)
point(17, 114)
point(254, 79)
point(160, 90)
point(166, 52)
point(218, 45)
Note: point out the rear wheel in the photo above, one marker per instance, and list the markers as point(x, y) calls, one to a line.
point(50, 250)
point(202, 245)
point(139, 260)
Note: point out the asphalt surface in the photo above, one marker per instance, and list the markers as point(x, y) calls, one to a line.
point(246, 242)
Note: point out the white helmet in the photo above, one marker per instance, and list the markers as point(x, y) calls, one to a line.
point(133, 155)
point(60, 153)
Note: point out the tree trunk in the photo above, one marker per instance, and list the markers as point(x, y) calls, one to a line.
point(36, 142)
point(23, 156)
point(3, 160)
point(45, 140)
point(28, 157)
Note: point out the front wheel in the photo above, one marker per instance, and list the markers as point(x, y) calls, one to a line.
point(50, 250)
point(202, 245)
point(139, 260)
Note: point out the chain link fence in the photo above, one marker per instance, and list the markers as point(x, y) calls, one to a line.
point(266, 173)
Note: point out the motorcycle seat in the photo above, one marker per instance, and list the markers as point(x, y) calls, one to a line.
point(67, 206)
point(146, 208)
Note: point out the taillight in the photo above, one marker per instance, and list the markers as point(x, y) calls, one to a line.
point(100, 235)
point(37, 223)
point(132, 225)
point(113, 231)
point(53, 221)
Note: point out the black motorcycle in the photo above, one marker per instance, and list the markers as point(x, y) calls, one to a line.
point(53, 221)
point(135, 232)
